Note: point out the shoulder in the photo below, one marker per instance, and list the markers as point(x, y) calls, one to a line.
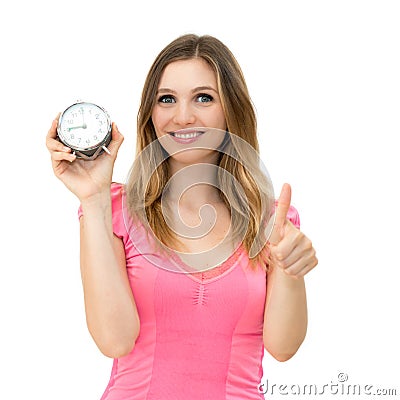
point(117, 191)
point(293, 216)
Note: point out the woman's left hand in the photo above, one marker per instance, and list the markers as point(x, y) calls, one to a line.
point(290, 249)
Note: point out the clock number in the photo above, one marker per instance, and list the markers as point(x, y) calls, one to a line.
point(95, 137)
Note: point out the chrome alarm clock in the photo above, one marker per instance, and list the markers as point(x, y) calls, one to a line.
point(86, 129)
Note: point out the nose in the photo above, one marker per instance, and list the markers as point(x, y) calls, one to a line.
point(184, 114)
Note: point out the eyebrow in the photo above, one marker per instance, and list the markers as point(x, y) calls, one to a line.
point(195, 90)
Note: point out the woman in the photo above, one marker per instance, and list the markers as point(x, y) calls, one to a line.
point(179, 327)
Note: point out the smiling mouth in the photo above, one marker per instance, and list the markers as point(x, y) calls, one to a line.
point(186, 134)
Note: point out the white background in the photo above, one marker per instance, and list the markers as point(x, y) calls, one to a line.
point(324, 76)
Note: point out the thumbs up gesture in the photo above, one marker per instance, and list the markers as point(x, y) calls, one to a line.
point(290, 249)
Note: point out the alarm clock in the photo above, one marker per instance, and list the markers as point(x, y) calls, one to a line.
point(86, 129)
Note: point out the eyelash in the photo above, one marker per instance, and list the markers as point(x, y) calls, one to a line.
point(207, 96)
point(165, 97)
point(169, 97)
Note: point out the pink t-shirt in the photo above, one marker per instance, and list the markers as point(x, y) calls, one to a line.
point(201, 334)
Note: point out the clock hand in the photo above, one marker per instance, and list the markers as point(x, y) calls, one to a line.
point(83, 126)
point(83, 117)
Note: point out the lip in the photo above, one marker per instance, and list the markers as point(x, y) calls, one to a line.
point(188, 131)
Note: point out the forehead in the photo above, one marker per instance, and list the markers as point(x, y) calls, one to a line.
point(190, 73)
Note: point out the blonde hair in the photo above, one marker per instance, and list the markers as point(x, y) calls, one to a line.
point(251, 207)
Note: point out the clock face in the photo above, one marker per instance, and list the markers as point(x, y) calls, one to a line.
point(83, 126)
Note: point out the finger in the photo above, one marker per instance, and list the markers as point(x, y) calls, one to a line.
point(62, 156)
point(281, 213)
point(52, 143)
point(291, 238)
point(52, 133)
point(56, 145)
point(302, 266)
point(288, 256)
point(116, 140)
point(283, 204)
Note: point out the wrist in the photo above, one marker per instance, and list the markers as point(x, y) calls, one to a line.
point(283, 277)
point(100, 201)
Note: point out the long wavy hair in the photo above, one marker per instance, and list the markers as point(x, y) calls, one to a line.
point(251, 206)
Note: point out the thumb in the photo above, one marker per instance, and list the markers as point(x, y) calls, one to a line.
point(281, 213)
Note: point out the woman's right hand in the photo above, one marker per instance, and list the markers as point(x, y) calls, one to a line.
point(83, 178)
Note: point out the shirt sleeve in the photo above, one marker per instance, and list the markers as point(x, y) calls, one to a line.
point(293, 217)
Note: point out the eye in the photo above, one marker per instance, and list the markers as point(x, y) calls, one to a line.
point(166, 99)
point(204, 98)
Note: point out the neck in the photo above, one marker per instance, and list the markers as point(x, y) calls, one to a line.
point(193, 185)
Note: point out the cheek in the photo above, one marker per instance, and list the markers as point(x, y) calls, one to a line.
point(223, 123)
point(159, 119)
point(219, 120)
point(155, 118)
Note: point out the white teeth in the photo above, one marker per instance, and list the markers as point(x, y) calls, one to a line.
point(187, 135)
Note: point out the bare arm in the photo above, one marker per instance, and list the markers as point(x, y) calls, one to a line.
point(285, 318)
point(111, 312)
point(291, 257)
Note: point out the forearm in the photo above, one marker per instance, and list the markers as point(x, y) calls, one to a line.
point(110, 308)
point(285, 318)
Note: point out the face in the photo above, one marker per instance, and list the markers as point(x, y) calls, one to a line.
point(188, 99)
